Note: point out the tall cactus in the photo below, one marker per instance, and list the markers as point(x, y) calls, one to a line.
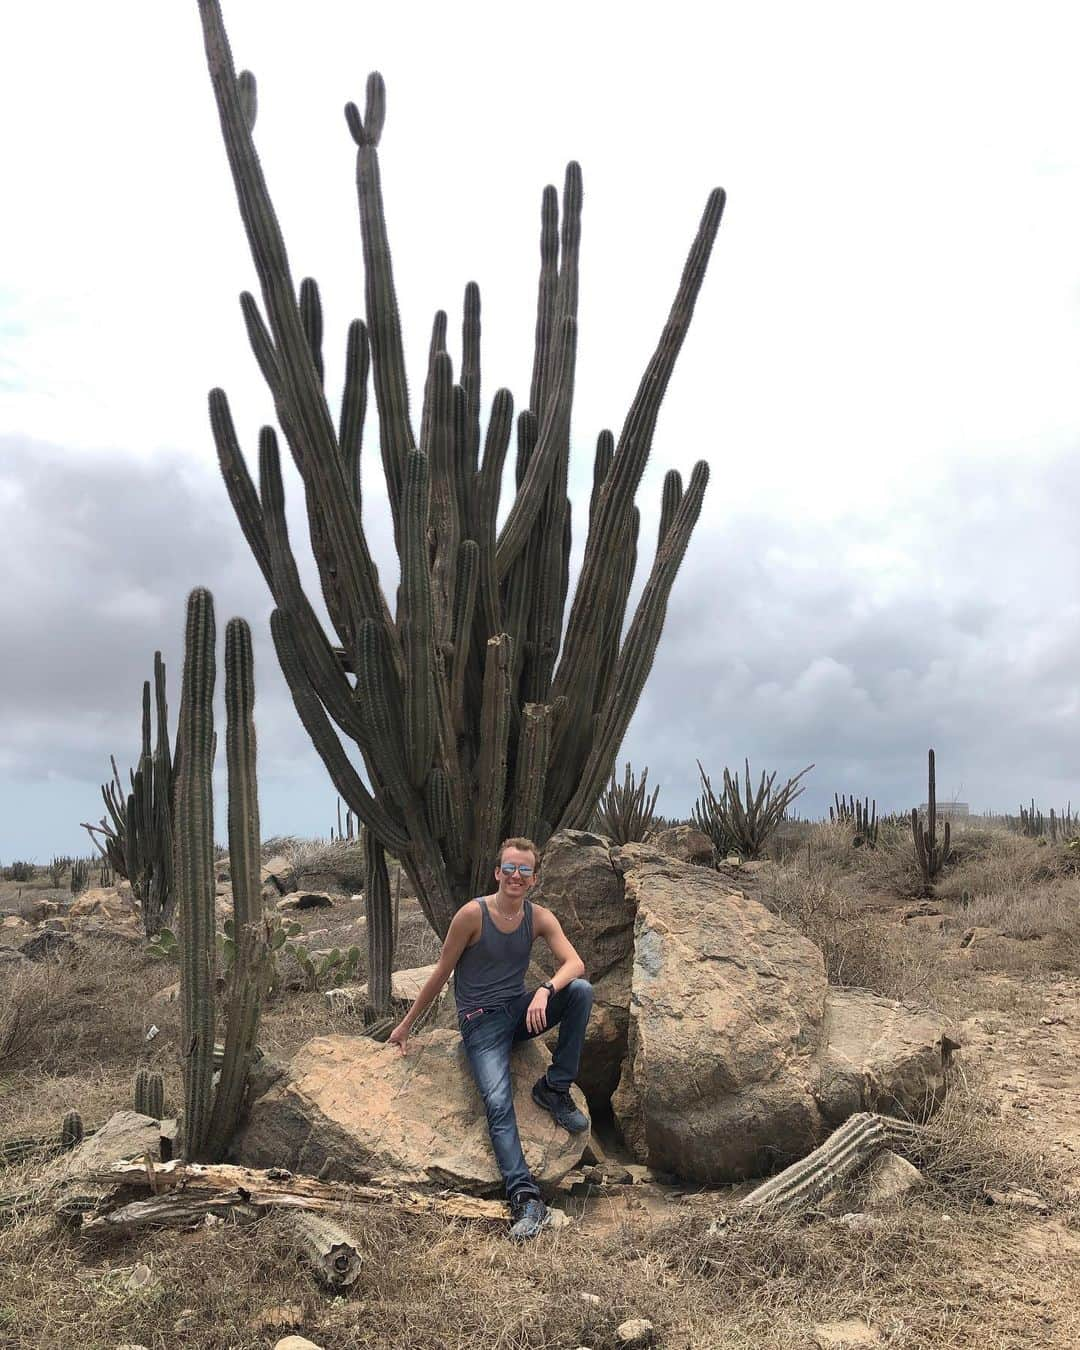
point(472, 714)
point(929, 854)
point(380, 924)
point(137, 837)
point(208, 1128)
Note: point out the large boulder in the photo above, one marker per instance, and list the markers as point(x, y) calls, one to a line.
point(880, 1055)
point(350, 1108)
point(740, 1056)
point(580, 885)
point(725, 1016)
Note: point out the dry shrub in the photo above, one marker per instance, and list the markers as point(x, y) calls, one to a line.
point(966, 1148)
point(90, 1007)
point(989, 861)
point(342, 860)
point(859, 948)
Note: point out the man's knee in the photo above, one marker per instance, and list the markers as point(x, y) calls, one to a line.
point(581, 992)
point(498, 1101)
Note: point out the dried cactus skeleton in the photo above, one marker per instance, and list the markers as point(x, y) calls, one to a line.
point(475, 715)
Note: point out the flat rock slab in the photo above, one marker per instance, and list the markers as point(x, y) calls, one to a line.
point(127, 1134)
point(851, 1334)
point(350, 1108)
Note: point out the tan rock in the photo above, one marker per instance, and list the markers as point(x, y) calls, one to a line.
point(636, 1333)
point(350, 1107)
point(850, 1334)
point(13, 921)
point(579, 884)
point(170, 994)
point(686, 843)
point(879, 1055)
point(103, 902)
point(404, 987)
point(306, 900)
point(889, 1178)
point(296, 1343)
point(127, 1134)
point(725, 1017)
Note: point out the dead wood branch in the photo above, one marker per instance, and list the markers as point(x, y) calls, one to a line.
point(129, 1195)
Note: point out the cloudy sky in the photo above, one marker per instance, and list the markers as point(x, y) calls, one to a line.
point(883, 371)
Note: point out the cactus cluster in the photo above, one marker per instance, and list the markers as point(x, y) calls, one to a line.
point(930, 855)
point(478, 713)
point(743, 824)
point(136, 838)
point(624, 814)
point(80, 875)
point(862, 815)
point(57, 868)
point(210, 1118)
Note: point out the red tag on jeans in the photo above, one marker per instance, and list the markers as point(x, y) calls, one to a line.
point(475, 1013)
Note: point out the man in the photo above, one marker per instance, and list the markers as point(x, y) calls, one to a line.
point(487, 950)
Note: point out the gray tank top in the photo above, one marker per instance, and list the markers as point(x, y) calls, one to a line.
point(492, 971)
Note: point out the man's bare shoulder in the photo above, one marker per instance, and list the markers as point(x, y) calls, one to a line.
point(542, 917)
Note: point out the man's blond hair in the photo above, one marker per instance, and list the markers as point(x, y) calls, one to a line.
point(523, 845)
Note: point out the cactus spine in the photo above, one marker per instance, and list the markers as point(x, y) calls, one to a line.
point(380, 924)
point(929, 854)
point(478, 632)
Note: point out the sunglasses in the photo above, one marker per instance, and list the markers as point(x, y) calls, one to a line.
point(508, 869)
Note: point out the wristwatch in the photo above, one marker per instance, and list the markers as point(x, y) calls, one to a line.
point(549, 987)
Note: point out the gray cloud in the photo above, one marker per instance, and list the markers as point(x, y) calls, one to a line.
point(855, 640)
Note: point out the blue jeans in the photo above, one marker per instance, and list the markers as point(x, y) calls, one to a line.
point(489, 1035)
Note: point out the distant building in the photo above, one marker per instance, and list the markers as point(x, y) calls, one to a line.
point(947, 810)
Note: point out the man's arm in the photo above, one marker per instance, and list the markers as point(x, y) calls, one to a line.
point(571, 966)
point(463, 928)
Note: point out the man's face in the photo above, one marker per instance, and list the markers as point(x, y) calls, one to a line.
point(512, 884)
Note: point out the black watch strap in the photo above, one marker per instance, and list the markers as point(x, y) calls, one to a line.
point(549, 987)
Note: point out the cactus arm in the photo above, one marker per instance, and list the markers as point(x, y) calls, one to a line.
point(251, 971)
point(494, 731)
point(628, 465)
point(416, 620)
point(444, 520)
point(468, 561)
point(672, 496)
point(238, 484)
point(380, 924)
point(262, 346)
point(354, 405)
point(302, 407)
point(384, 324)
point(636, 655)
point(195, 867)
point(545, 301)
point(532, 766)
point(470, 384)
point(554, 433)
point(311, 317)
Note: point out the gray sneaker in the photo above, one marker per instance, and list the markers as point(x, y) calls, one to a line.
point(561, 1105)
point(528, 1215)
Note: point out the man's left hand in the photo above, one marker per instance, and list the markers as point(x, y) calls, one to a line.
point(536, 1014)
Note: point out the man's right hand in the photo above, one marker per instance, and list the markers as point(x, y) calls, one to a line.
point(399, 1037)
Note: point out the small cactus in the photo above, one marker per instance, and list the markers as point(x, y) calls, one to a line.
point(149, 1094)
point(71, 1131)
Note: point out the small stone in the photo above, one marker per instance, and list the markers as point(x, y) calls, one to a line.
point(593, 1300)
point(139, 1278)
point(637, 1332)
point(890, 1178)
point(281, 1318)
point(306, 900)
point(1018, 1197)
point(850, 1334)
point(296, 1343)
point(558, 1218)
point(187, 1321)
